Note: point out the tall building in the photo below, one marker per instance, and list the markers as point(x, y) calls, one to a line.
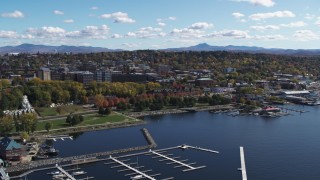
point(44, 73)
point(85, 77)
point(103, 76)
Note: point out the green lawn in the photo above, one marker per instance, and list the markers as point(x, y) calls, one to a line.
point(88, 120)
point(47, 111)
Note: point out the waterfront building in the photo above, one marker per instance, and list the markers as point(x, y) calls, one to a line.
point(10, 149)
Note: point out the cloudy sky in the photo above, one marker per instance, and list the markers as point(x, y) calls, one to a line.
point(154, 24)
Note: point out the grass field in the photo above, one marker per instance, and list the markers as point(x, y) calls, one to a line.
point(88, 120)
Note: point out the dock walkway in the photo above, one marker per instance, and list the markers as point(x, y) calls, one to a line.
point(142, 175)
point(243, 164)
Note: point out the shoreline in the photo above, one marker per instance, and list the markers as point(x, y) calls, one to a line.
point(138, 116)
point(178, 110)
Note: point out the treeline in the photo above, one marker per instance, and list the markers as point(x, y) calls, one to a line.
point(157, 101)
point(43, 93)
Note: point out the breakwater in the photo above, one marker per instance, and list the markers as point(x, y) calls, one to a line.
point(93, 157)
point(149, 138)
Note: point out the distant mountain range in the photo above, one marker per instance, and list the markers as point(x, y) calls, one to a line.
point(248, 49)
point(32, 49)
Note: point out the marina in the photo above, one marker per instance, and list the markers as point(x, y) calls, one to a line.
point(225, 135)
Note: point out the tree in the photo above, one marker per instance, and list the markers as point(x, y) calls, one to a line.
point(81, 118)
point(101, 111)
point(6, 124)
point(48, 126)
point(107, 111)
point(98, 100)
point(69, 119)
point(24, 136)
point(28, 122)
point(75, 120)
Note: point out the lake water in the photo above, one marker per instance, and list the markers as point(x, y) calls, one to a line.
point(284, 148)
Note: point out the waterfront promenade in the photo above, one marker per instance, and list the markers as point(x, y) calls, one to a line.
point(181, 110)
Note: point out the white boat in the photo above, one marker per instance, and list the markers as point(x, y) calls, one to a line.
point(59, 176)
point(54, 173)
point(76, 173)
point(137, 177)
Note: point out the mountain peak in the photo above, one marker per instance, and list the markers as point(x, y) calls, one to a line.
point(202, 45)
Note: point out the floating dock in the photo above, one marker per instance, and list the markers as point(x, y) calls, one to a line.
point(198, 148)
point(175, 161)
point(141, 175)
point(243, 164)
point(62, 137)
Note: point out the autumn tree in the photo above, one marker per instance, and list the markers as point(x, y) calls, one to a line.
point(98, 100)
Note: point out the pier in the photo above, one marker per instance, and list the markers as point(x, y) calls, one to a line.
point(82, 159)
point(44, 165)
point(141, 175)
point(294, 110)
point(62, 137)
point(198, 148)
point(174, 161)
point(243, 164)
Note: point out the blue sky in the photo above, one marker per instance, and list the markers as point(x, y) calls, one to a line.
point(151, 24)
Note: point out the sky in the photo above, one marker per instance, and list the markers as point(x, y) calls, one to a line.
point(158, 24)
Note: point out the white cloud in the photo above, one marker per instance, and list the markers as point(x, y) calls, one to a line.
point(187, 33)
point(94, 32)
point(116, 36)
point(15, 14)
point(8, 34)
point(309, 16)
point(27, 36)
point(305, 35)
point(118, 17)
point(172, 18)
point(267, 27)
point(161, 24)
point(57, 12)
point(69, 21)
point(131, 34)
point(269, 37)
point(130, 45)
point(49, 32)
point(294, 24)
point(318, 21)
point(237, 15)
point(200, 25)
point(277, 14)
point(266, 3)
point(147, 32)
point(94, 8)
point(196, 30)
point(237, 34)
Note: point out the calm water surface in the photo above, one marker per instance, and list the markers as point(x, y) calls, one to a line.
point(284, 148)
